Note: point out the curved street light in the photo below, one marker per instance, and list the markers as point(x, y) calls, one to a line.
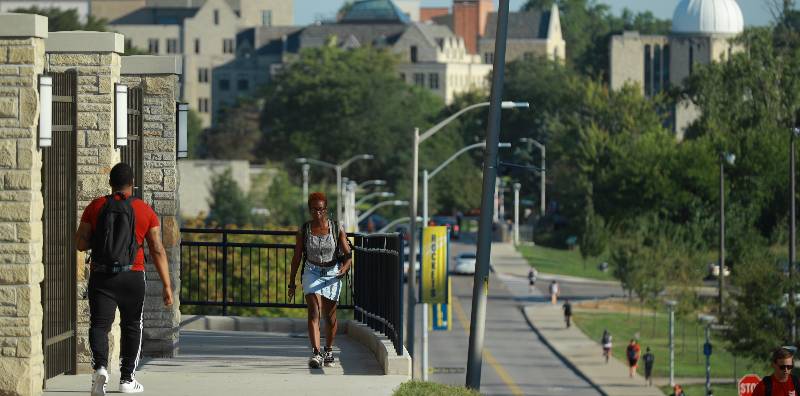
point(375, 182)
point(380, 205)
point(381, 194)
point(338, 168)
point(396, 222)
point(412, 281)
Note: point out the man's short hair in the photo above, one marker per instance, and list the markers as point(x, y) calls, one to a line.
point(121, 175)
point(781, 354)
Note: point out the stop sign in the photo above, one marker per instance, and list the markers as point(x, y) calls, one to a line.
point(748, 384)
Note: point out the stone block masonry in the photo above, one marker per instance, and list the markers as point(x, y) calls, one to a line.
point(22, 50)
point(98, 65)
point(158, 78)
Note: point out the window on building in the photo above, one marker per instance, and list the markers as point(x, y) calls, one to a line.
point(488, 58)
point(152, 46)
point(527, 56)
point(419, 79)
point(266, 17)
point(216, 17)
point(403, 77)
point(433, 80)
point(128, 43)
point(197, 46)
point(691, 59)
point(657, 70)
point(227, 46)
point(648, 70)
point(243, 85)
point(202, 75)
point(172, 46)
point(202, 105)
point(224, 84)
point(413, 54)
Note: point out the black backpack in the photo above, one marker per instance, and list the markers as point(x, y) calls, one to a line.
point(114, 245)
point(767, 381)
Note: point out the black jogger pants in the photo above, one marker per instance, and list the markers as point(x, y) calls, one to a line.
point(107, 292)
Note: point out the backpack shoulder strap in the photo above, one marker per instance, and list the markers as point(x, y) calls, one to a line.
point(795, 382)
point(767, 381)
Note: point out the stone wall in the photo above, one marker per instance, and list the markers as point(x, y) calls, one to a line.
point(160, 91)
point(98, 67)
point(21, 205)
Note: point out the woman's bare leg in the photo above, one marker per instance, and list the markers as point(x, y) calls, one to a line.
point(329, 312)
point(314, 305)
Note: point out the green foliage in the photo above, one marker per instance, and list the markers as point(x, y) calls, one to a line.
point(227, 203)
point(284, 200)
point(562, 262)
point(594, 237)
point(236, 134)
point(419, 388)
point(195, 136)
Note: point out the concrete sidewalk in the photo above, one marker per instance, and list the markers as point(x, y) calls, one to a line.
point(240, 363)
point(575, 348)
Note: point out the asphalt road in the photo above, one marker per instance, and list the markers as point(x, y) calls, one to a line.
point(515, 361)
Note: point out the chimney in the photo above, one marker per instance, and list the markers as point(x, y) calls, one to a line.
point(469, 20)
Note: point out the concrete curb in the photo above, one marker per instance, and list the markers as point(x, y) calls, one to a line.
point(563, 358)
point(380, 346)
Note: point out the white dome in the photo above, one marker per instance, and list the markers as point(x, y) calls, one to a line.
point(707, 17)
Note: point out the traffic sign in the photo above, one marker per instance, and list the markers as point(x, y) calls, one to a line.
point(747, 384)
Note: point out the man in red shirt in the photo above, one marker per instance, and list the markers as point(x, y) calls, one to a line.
point(781, 382)
point(123, 287)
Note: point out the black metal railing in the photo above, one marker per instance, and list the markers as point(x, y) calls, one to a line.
point(378, 285)
point(241, 268)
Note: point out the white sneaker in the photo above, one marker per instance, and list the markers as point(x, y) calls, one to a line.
point(99, 380)
point(132, 386)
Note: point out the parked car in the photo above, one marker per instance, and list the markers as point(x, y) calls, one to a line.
point(450, 222)
point(713, 270)
point(465, 263)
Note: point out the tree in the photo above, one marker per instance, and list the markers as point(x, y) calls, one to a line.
point(195, 135)
point(227, 203)
point(237, 133)
point(593, 238)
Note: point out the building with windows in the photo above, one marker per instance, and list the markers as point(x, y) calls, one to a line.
point(701, 33)
point(203, 32)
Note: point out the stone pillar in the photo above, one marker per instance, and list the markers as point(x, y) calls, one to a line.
point(158, 78)
point(96, 58)
point(21, 204)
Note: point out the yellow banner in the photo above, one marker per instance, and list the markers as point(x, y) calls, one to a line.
point(434, 265)
point(441, 314)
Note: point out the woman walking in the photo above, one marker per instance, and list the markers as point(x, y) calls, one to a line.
point(322, 245)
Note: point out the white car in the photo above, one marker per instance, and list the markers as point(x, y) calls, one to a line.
point(465, 263)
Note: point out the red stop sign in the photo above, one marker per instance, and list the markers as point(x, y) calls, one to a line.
point(748, 384)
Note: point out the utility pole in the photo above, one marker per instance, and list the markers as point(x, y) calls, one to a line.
point(517, 186)
point(306, 168)
point(792, 233)
point(480, 290)
point(411, 304)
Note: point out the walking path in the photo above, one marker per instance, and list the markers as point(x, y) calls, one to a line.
point(577, 350)
point(249, 363)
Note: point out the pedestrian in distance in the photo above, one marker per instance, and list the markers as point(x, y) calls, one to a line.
point(322, 245)
point(567, 312)
point(782, 382)
point(677, 391)
point(632, 353)
point(555, 290)
point(115, 227)
point(532, 275)
point(649, 360)
point(605, 340)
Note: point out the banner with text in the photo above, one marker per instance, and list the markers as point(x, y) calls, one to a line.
point(434, 265)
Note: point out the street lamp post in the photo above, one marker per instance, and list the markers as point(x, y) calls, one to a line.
point(380, 194)
point(375, 182)
point(671, 306)
point(380, 205)
point(338, 168)
point(412, 247)
point(542, 172)
point(708, 320)
point(305, 182)
point(517, 186)
point(792, 231)
point(728, 158)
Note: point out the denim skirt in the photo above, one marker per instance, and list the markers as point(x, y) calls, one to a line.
point(322, 281)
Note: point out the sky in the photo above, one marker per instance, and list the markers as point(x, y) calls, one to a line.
point(756, 12)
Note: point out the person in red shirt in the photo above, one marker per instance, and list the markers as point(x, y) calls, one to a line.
point(124, 287)
point(781, 382)
point(632, 353)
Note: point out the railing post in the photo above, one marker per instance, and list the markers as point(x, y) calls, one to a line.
point(224, 273)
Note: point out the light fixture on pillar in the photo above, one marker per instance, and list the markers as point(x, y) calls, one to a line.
point(45, 111)
point(183, 126)
point(121, 114)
